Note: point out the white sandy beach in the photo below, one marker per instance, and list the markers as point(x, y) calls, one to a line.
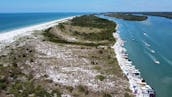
point(139, 88)
point(8, 37)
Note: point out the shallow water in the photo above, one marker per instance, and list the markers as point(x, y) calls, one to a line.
point(149, 45)
point(13, 21)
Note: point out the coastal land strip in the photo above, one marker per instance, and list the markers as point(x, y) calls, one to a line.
point(138, 16)
point(127, 16)
point(72, 59)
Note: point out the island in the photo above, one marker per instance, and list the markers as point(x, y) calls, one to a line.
point(127, 16)
point(136, 15)
point(71, 59)
point(160, 14)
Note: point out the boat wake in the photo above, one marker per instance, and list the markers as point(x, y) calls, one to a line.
point(146, 44)
point(150, 50)
point(167, 60)
point(147, 22)
point(153, 58)
point(148, 47)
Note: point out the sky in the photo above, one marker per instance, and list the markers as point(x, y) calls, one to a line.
point(8, 6)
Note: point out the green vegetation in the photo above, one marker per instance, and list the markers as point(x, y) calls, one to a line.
point(100, 77)
point(83, 89)
point(70, 88)
point(3, 84)
point(106, 95)
point(112, 66)
point(61, 26)
point(53, 38)
point(127, 95)
point(93, 37)
point(101, 36)
point(15, 58)
point(21, 88)
point(161, 14)
point(14, 82)
point(24, 89)
point(127, 16)
point(104, 35)
point(11, 81)
point(93, 21)
point(97, 68)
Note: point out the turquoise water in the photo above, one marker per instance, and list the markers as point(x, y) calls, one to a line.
point(148, 42)
point(13, 21)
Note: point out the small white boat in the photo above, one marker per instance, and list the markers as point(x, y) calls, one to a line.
point(157, 62)
point(152, 51)
point(145, 34)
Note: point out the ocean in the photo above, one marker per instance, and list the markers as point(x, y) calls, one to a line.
point(12, 21)
point(149, 45)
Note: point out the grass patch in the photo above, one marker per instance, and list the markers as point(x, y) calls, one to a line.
point(3, 84)
point(53, 38)
point(14, 81)
point(106, 95)
point(97, 68)
point(69, 88)
point(83, 89)
point(93, 21)
point(24, 89)
point(61, 26)
point(101, 77)
point(103, 34)
point(127, 95)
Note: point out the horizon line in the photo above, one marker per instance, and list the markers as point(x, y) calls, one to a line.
point(88, 12)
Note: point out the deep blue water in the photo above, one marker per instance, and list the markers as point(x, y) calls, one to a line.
point(147, 42)
point(11, 21)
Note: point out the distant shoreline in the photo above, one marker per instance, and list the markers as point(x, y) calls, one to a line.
point(158, 14)
point(10, 36)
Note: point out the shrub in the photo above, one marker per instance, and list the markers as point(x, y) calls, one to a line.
point(127, 95)
point(83, 89)
point(100, 77)
point(57, 93)
point(70, 88)
point(61, 26)
point(97, 67)
point(3, 86)
point(106, 95)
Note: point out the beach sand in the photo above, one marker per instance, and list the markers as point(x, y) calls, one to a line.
point(139, 87)
point(64, 65)
point(8, 37)
point(126, 66)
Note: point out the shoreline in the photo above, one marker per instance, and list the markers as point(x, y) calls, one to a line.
point(47, 62)
point(137, 84)
point(10, 36)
